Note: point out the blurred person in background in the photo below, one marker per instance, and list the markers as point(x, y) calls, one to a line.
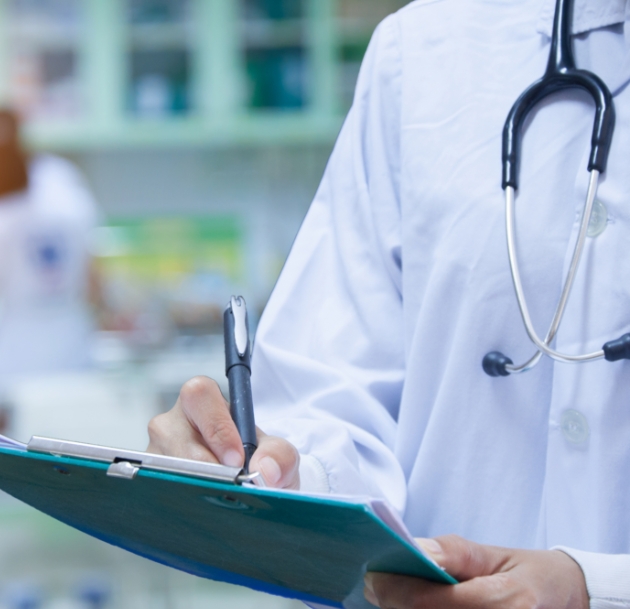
point(47, 216)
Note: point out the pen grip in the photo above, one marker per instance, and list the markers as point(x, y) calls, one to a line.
point(241, 405)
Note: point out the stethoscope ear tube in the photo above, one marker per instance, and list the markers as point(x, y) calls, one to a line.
point(561, 74)
point(603, 127)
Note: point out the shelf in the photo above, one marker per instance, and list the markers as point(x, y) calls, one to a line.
point(160, 36)
point(269, 33)
point(259, 129)
point(41, 34)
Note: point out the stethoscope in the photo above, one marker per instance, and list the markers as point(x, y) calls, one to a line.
point(561, 74)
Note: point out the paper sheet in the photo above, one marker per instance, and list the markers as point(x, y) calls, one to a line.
point(6, 442)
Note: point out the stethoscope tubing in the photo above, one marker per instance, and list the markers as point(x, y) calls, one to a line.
point(543, 345)
point(561, 74)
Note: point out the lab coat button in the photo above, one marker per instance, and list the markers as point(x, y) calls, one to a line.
point(574, 427)
point(598, 221)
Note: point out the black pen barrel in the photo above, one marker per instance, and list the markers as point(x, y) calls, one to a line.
point(241, 405)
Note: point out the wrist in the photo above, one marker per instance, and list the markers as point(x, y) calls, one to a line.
point(580, 596)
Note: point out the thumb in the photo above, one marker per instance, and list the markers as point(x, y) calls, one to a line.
point(464, 559)
point(278, 461)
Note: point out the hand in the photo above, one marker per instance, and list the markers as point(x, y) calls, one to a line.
point(199, 427)
point(491, 578)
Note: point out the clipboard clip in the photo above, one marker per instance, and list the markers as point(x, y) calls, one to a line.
point(126, 464)
point(123, 469)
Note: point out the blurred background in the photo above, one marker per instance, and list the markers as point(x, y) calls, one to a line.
point(169, 150)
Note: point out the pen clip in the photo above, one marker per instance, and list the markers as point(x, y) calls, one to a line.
point(241, 335)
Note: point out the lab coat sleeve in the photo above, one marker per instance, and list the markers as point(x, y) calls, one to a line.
point(328, 365)
point(606, 577)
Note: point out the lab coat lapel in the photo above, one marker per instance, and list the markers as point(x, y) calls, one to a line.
point(587, 15)
point(624, 74)
point(591, 15)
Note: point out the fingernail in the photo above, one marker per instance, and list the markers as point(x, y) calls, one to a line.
point(430, 546)
point(232, 458)
point(270, 470)
point(368, 591)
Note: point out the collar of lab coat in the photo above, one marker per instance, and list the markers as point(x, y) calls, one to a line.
point(591, 15)
point(588, 15)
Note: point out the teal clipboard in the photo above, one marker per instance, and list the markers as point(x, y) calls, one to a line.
point(310, 548)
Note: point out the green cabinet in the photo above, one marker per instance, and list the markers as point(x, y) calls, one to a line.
point(91, 74)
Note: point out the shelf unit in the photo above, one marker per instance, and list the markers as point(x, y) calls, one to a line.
point(129, 73)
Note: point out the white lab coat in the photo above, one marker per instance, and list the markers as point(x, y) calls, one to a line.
point(45, 235)
point(368, 357)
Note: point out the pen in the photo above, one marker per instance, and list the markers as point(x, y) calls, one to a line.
point(238, 372)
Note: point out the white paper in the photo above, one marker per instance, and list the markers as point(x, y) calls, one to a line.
point(392, 519)
point(6, 442)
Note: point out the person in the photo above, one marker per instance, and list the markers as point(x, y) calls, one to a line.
point(47, 217)
point(367, 371)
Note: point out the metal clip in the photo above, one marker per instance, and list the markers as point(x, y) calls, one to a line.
point(123, 469)
point(241, 334)
point(255, 478)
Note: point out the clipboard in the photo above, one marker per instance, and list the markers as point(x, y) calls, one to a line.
point(210, 521)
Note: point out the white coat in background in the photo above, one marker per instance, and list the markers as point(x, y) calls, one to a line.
point(45, 232)
point(368, 356)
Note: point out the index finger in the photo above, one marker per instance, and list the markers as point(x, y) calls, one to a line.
point(206, 410)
